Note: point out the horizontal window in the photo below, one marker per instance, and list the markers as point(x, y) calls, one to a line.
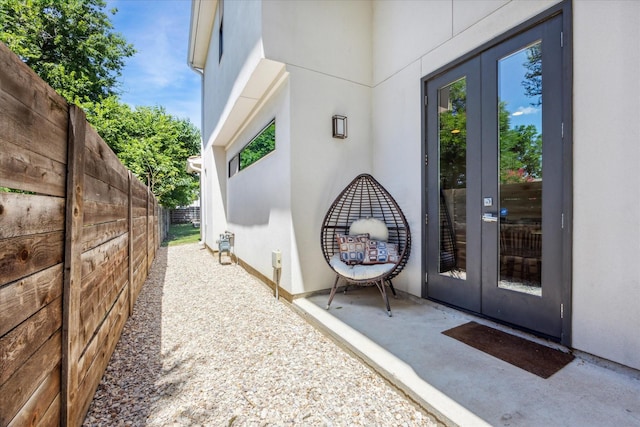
point(261, 145)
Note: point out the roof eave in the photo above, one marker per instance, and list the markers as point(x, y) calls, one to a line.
point(203, 14)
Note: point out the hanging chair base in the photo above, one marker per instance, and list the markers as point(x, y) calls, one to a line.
point(379, 284)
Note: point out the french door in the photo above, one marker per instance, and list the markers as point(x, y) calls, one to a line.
point(494, 190)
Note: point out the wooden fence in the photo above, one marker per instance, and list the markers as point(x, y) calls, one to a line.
point(76, 244)
point(185, 215)
point(523, 200)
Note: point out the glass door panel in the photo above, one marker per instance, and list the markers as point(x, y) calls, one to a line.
point(520, 169)
point(493, 131)
point(453, 123)
point(452, 138)
point(521, 144)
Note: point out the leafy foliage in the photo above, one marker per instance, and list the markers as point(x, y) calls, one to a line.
point(520, 153)
point(260, 146)
point(153, 145)
point(70, 44)
point(533, 78)
point(520, 146)
point(453, 138)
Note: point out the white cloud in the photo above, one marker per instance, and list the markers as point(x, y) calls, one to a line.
point(525, 110)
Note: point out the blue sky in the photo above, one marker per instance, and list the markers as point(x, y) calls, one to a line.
point(158, 74)
point(512, 91)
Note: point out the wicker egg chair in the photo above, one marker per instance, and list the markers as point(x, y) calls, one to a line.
point(365, 198)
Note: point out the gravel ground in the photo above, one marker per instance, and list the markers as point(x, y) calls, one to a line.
point(209, 345)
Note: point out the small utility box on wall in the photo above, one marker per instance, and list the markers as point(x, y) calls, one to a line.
point(225, 245)
point(276, 259)
point(276, 263)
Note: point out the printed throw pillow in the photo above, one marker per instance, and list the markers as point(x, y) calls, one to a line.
point(352, 248)
point(381, 252)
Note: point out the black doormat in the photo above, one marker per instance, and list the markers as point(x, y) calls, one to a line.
point(530, 356)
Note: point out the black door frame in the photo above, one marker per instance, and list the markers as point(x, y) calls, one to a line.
point(564, 10)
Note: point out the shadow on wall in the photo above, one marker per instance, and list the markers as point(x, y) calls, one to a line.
point(254, 194)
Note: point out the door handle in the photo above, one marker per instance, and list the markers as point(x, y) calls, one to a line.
point(489, 217)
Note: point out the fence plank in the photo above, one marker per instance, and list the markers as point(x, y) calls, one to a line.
point(95, 259)
point(139, 189)
point(99, 212)
point(34, 412)
point(22, 169)
point(148, 229)
point(19, 344)
point(19, 81)
point(51, 418)
point(23, 127)
point(101, 154)
point(19, 300)
point(72, 264)
point(99, 296)
point(108, 337)
point(96, 167)
point(22, 214)
point(99, 320)
point(97, 234)
point(101, 191)
point(139, 276)
point(18, 389)
point(25, 255)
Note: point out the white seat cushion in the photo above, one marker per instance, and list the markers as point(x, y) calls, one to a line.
point(359, 271)
point(376, 229)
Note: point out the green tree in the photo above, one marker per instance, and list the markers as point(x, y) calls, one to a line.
point(532, 82)
point(69, 43)
point(153, 145)
point(520, 154)
point(520, 146)
point(453, 138)
point(259, 147)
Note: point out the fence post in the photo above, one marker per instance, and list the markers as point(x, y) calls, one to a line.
point(72, 264)
point(156, 225)
point(147, 234)
point(130, 291)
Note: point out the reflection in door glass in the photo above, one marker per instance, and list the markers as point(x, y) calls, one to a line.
point(452, 135)
point(520, 175)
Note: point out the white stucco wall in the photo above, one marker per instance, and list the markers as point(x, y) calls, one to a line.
point(606, 241)
point(330, 36)
point(396, 158)
point(259, 196)
point(212, 191)
point(225, 79)
point(322, 165)
point(223, 82)
point(369, 67)
point(330, 73)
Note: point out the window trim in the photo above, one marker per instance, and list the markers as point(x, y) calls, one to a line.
point(235, 163)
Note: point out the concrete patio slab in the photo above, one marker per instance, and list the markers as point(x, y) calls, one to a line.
point(464, 386)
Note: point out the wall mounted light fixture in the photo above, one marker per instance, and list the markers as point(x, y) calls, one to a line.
point(340, 126)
